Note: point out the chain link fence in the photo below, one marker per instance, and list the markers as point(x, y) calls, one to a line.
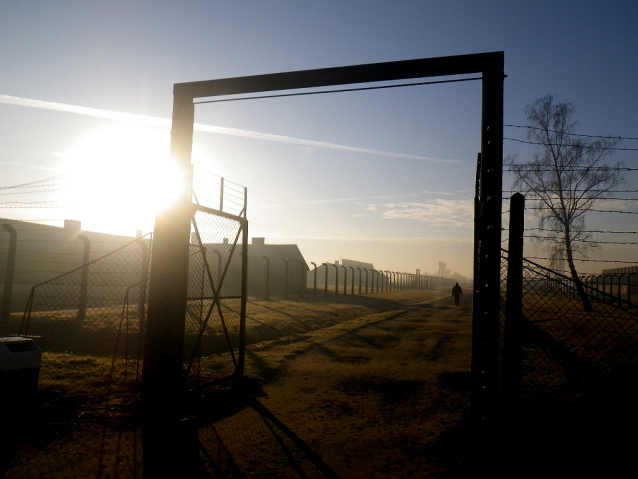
point(568, 351)
point(89, 323)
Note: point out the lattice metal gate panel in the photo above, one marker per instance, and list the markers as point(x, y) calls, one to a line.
point(216, 308)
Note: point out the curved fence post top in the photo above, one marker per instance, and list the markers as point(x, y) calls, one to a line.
point(9, 228)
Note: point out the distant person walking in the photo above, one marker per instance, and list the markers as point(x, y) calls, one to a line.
point(457, 292)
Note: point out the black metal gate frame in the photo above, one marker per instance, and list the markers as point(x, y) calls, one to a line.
point(238, 361)
point(162, 374)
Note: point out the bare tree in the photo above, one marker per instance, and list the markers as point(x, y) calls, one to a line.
point(443, 271)
point(566, 177)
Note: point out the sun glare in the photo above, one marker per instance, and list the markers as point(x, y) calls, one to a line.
point(121, 178)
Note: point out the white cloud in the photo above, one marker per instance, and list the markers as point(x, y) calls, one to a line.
point(439, 212)
point(418, 240)
point(357, 200)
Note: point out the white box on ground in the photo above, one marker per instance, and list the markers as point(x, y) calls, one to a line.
point(19, 353)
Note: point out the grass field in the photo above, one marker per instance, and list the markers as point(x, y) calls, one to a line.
point(79, 369)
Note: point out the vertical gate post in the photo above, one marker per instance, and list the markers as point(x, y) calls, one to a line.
point(84, 285)
point(336, 279)
point(513, 341)
point(162, 373)
point(7, 292)
point(485, 317)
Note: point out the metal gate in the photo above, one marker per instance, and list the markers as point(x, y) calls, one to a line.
point(216, 303)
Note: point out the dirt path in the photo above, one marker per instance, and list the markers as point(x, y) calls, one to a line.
point(383, 400)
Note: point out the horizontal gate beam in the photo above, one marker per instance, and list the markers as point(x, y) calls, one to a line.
point(347, 75)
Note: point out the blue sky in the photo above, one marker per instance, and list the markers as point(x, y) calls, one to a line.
point(394, 210)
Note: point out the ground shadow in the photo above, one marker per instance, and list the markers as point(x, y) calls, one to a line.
point(244, 438)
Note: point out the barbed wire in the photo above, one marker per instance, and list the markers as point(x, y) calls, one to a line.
point(30, 192)
point(588, 260)
point(574, 134)
point(572, 168)
point(592, 191)
point(597, 199)
point(24, 185)
point(29, 202)
point(32, 207)
point(587, 231)
point(338, 90)
point(591, 209)
point(505, 240)
point(556, 144)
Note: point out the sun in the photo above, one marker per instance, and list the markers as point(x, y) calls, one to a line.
point(121, 177)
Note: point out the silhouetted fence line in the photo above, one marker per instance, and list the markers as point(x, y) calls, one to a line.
point(369, 281)
point(568, 352)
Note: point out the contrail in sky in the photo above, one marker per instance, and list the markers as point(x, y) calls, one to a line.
point(221, 130)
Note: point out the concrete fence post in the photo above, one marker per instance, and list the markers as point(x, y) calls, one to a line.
point(314, 282)
point(267, 289)
point(325, 290)
point(5, 312)
point(366, 270)
point(345, 279)
point(352, 281)
point(84, 285)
